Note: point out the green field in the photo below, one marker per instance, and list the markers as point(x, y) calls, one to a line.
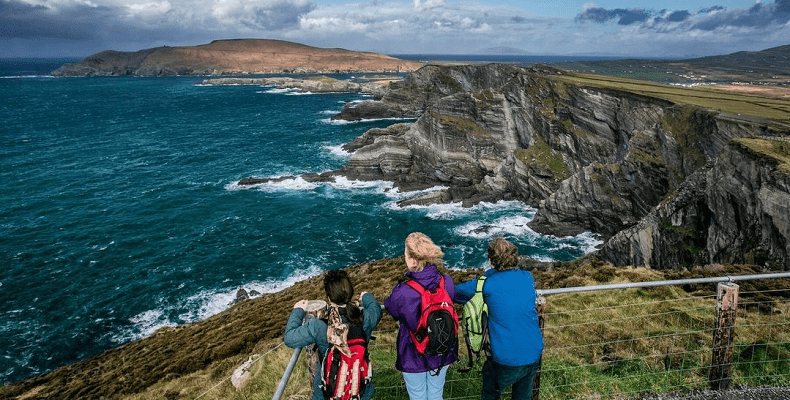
point(775, 109)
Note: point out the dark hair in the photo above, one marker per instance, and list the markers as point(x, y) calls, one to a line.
point(502, 254)
point(340, 291)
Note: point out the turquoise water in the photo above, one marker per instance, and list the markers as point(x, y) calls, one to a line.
point(119, 212)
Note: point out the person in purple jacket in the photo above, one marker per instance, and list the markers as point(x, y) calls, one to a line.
point(424, 375)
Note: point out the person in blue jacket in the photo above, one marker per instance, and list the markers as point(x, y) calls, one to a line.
point(516, 339)
point(340, 293)
point(424, 375)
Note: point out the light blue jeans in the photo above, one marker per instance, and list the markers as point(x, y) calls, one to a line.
point(424, 385)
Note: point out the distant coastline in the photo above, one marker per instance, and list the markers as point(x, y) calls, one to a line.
point(500, 59)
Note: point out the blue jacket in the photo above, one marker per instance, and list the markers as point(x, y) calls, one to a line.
point(516, 339)
point(404, 305)
point(298, 335)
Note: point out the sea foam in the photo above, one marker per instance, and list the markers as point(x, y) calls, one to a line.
point(338, 151)
point(205, 304)
point(514, 225)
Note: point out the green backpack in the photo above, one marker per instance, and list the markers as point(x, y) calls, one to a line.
point(475, 323)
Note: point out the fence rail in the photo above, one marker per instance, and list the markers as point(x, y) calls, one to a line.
point(659, 340)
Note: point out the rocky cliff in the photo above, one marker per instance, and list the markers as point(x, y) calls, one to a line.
point(737, 209)
point(241, 56)
point(652, 176)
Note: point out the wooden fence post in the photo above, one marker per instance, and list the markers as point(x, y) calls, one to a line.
point(540, 307)
point(722, 349)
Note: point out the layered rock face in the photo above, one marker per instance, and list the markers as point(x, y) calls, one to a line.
point(735, 210)
point(590, 159)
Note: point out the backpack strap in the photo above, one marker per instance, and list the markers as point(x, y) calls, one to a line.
point(481, 281)
point(337, 331)
point(419, 287)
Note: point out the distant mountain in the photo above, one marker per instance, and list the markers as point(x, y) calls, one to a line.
point(503, 50)
point(770, 66)
point(238, 56)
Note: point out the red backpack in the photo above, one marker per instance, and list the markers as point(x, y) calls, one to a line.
point(344, 376)
point(437, 330)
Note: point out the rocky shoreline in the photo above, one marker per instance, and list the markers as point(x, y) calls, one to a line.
point(666, 185)
point(321, 84)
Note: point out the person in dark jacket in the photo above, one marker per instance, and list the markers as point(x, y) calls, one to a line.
point(516, 340)
point(424, 375)
point(340, 293)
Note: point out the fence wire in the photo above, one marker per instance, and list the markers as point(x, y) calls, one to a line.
point(647, 341)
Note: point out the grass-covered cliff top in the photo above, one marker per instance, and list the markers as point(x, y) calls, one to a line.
point(778, 150)
point(745, 103)
point(190, 360)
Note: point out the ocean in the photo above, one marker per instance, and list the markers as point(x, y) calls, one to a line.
point(120, 213)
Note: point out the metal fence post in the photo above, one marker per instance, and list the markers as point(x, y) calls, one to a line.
point(287, 374)
point(540, 307)
point(721, 358)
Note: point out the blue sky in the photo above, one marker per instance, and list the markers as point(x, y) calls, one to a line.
point(671, 29)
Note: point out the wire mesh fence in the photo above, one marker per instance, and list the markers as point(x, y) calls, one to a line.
point(628, 342)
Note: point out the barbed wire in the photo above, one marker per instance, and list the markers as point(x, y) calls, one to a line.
point(672, 347)
point(231, 375)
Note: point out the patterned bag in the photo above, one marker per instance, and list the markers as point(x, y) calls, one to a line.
point(346, 368)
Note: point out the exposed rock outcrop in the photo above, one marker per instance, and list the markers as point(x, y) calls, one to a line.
point(321, 84)
point(737, 209)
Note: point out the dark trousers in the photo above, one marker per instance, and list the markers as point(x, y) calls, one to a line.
point(497, 377)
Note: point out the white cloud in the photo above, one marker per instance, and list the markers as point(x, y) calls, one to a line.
point(148, 10)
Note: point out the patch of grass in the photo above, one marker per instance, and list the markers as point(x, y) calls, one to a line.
point(324, 79)
point(541, 154)
point(463, 125)
point(775, 149)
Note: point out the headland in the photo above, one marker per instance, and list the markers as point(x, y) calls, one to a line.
point(234, 57)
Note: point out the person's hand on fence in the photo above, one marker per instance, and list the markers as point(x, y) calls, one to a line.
point(301, 304)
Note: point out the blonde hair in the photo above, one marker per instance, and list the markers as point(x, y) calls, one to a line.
point(422, 249)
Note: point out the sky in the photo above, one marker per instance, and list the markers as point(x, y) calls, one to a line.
point(630, 28)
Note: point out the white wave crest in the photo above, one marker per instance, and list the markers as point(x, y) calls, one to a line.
point(398, 195)
point(276, 90)
point(143, 325)
point(515, 225)
point(363, 120)
point(338, 151)
point(450, 211)
point(297, 183)
point(27, 76)
point(206, 304)
point(212, 303)
point(341, 182)
point(589, 241)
